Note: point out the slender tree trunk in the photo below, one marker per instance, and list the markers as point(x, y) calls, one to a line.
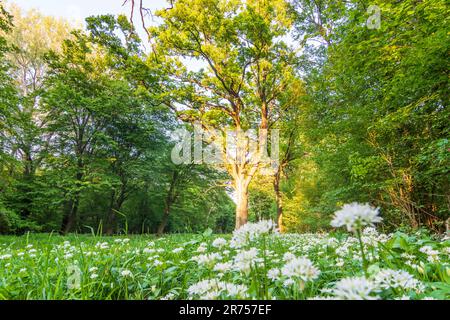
point(111, 221)
point(112, 217)
point(164, 221)
point(170, 199)
point(26, 188)
point(278, 200)
point(70, 218)
point(241, 188)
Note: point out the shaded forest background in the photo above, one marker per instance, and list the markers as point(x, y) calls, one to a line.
point(85, 138)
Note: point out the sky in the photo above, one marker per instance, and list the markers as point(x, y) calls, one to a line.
point(78, 10)
point(75, 11)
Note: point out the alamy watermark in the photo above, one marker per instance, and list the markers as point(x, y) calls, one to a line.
point(237, 146)
point(73, 277)
point(374, 20)
point(232, 146)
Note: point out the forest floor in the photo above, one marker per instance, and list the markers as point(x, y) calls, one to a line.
point(240, 266)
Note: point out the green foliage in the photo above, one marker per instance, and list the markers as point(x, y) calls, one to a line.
point(97, 146)
point(376, 121)
point(9, 220)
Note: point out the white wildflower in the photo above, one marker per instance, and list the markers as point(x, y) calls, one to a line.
point(355, 216)
point(251, 231)
point(288, 256)
point(388, 278)
point(202, 248)
point(244, 260)
point(357, 288)
point(169, 296)
point(403, 298)
point(126, 273)
point(288, 282)
point(219, 243)
point(432, 255)
point(207, 259)
point(223, 267)
point(301, 268)
point(157, 263)
point(212, 289)
point(68, 255)
point(273, 274)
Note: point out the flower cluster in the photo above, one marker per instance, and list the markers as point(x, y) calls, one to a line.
point(207, 259)
point(355, 216)
point(299, 270)
point(353, 288)
point(280, 266)
point(252, 231)
point(401, 279)
point(212, 289)
point(244, 260)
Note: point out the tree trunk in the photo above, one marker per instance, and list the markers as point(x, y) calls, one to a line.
point(115, 206)
point(241, 202)
point(447, 226)
point(164, 221)
point(111, 219)
point(278, 200)
point(111, 223)
point(170, 199)
point(70, 218)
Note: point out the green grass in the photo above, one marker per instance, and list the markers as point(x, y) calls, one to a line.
point(49, 266)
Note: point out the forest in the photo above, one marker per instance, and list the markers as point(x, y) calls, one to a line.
point(88, 115)
point(226, 149)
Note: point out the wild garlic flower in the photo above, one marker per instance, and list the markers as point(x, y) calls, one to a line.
point(388, 278)
point(126, 273)
point(288, 256)
point(169, 296)
point(157, 263)
point(207, 259)
point(252, 231)
point(432, 255)
point(211, 289)
point(273, 274)
point(177, 250)
point(244, 260)
point(355, 216)
point(356, 288)
point(202, 247)
point(223, 267)
point(219, 243)
point(300, 268)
